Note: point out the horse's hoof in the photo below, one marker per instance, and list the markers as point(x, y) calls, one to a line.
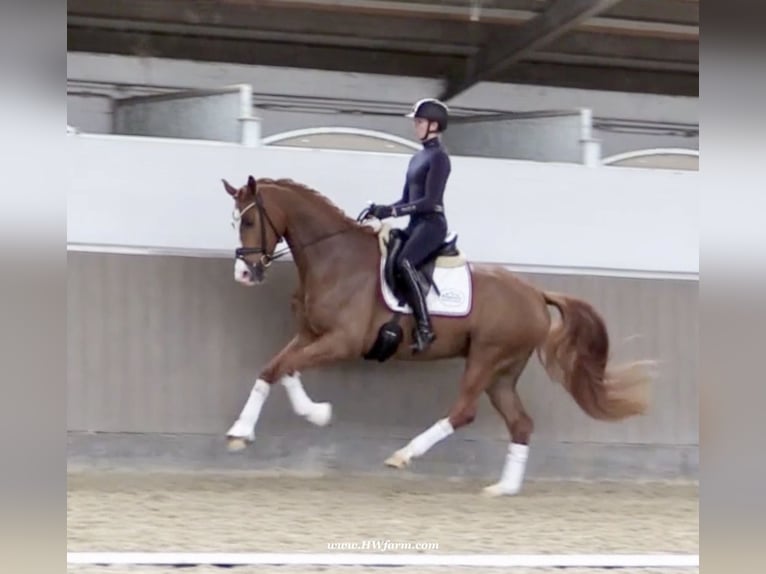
point(320, 414)
point(238, 443)
point(397, 460)
point(499, 489)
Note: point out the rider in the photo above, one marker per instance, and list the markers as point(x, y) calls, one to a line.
point(422, 200)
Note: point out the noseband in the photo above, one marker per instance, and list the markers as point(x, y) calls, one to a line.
point(242, 252)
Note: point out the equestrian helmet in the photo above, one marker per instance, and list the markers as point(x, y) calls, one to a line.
point(433, 110)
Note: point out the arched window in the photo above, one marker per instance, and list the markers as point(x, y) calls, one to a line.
point(659, 158)
point(343, 139)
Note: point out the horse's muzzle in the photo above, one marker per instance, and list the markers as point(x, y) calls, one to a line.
point(249, 273)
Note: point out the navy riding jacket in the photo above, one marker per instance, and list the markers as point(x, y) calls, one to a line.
point(426, 180)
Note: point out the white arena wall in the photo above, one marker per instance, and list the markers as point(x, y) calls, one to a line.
point(167, 194)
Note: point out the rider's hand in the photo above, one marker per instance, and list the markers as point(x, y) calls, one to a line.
point(381, 211)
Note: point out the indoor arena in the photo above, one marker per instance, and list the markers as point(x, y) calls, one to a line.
point(202, 435)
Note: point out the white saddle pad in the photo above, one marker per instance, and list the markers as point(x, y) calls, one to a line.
point(455, 287)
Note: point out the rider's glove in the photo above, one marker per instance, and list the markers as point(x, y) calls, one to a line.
point(382, 211)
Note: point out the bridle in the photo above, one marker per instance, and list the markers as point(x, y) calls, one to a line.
point(266, 259)
point(242, 252)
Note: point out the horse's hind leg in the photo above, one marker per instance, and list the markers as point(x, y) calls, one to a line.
point(481, 368)
point(503, 396)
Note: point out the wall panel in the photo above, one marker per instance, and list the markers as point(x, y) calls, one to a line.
point(172, 345)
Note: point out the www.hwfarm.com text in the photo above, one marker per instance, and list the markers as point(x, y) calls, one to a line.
point(382, 545)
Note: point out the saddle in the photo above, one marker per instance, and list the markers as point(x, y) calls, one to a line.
point(453, 273)
point(446, 255)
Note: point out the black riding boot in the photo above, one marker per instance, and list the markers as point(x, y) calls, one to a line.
point(422, 334)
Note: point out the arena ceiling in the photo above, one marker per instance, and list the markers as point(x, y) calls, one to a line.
point(630, 45)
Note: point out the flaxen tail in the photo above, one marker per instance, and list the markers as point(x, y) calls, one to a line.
point(576, 354)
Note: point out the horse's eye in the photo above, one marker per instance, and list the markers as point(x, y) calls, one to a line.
point(247, 224)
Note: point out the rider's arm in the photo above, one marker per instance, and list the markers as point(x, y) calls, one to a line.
point(405, 195)
point(436, 181)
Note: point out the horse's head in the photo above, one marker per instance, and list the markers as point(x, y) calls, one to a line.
point(261, 228)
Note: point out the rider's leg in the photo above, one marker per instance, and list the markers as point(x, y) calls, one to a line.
point(424, 239)
point(423, 334)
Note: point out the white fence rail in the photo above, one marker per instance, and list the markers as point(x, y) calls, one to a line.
point(610, 561)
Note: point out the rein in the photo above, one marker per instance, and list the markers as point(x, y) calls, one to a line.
point(266, 258)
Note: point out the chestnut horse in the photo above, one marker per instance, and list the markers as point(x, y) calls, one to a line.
point(340, 313)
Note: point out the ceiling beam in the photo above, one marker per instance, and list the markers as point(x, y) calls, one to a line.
point(593, 77)
point(334, 39)
point(637, 63)
point(615, 46)
point(408, 64)
point(428, 12)
point(259, 52)
point(268, 23)
point(560, 17)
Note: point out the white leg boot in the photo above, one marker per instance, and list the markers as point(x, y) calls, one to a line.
point(419, 445)
point(242, 431)
point(316, 413)
point(513, 472)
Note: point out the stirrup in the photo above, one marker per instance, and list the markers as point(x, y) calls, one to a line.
point(422, 336)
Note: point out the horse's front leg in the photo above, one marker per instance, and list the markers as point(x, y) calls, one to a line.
point(316, 413)
point(317, 352)
point(297, 356)
point(242, 432)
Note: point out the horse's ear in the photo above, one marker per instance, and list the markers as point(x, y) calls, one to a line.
point(230, 189)
point(251, 184)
